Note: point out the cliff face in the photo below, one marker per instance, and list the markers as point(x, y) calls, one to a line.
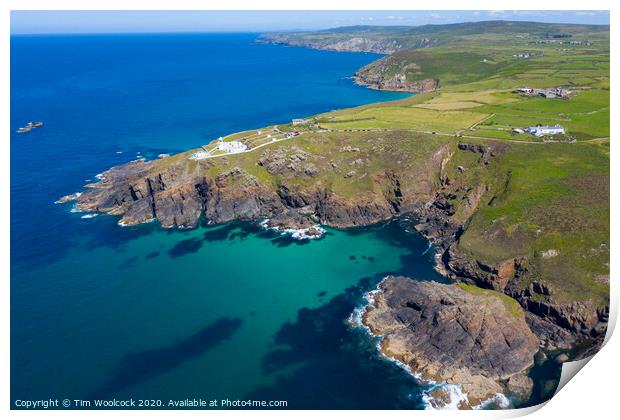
point(384, 74)
point(178, 191)
point(177, 196)
point(578, 324)
point(348, 43)
point(463, 336)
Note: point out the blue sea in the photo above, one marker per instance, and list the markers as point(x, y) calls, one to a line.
point(218, 312)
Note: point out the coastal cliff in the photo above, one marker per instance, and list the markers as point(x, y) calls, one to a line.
point(358, 41)
point(392, 74)
point(178, 191)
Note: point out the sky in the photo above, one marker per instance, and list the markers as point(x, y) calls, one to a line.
point(41, 22)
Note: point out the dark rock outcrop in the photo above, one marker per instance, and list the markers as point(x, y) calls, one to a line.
point(472, 338)
point(176, 196)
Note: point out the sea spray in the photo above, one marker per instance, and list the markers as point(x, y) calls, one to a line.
point(499, 400)
point(299, 234)
point(430, 246)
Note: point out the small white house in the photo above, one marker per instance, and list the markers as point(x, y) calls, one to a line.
point(545, 130)
point(299, 121)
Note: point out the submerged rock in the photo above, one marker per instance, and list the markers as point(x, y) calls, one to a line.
point(477, 339)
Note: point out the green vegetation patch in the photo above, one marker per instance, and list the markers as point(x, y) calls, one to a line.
point(511, 305)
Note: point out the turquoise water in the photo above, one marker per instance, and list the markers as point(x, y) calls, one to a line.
point(217, 312)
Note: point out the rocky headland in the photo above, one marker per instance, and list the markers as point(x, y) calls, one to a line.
point(384, 74)
point(359, 42)
point(466, 336)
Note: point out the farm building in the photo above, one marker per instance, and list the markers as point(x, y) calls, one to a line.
point(545, 130)
point(548, 93)
point(298, 121)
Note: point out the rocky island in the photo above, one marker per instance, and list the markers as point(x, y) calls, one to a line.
point(521, 225)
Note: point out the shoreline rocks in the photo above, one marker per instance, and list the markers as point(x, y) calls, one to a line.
point(454, 335)
point(297, 226)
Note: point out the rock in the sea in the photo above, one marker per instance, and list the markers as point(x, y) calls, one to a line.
point(288, 222)
point(298, 226)
point(68, 198)
point(454, 334)
point(520, 386)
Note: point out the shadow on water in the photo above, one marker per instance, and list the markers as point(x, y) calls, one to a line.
point(184, 247)
point(220, 233)
point(138, 367)
point(334, 366)
point(415, 259)
point(107, 234)
point(546, 376)
point(128, 262)
point(232, 231)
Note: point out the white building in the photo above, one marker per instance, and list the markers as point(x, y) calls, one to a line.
point(231, 146)
point(298, 121)
point(545, 130)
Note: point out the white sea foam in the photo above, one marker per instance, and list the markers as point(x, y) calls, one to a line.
point(71, 197)
point(90, 215)
point(99, 177)
point(500, 400)
point(299, 234)
point(455, 394)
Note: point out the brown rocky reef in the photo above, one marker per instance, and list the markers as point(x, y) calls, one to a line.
point(466, 336)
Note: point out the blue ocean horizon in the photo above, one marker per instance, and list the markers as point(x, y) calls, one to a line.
point(103, 311)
